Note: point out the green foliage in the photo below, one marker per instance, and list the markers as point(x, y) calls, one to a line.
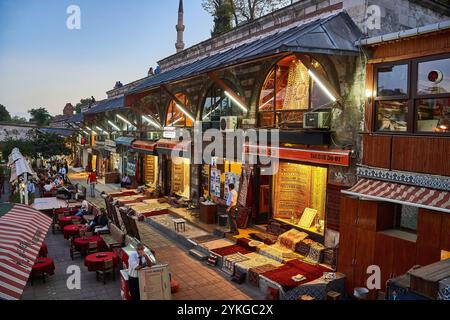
point(25, 146)
point(15, 198)
point(40, 144)
point(47, 145)
point(40, 116)
point(17, 119)
point(82, 104)
point(4, 114)
point(223, 17)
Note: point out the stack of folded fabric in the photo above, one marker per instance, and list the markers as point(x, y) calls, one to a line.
point(291, 238)
point(315, 254)
point(230, 260)
point(253, 273)
point(304, 246)
point(267, 238)
point(255, 260)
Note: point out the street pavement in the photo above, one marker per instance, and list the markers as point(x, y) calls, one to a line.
point(197, 280)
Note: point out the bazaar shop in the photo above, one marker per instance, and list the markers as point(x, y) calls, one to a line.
point(221, 111)
point(295, 194)
point(148, 161)
point(112, 162)
point(175, 171)
point(123, 147)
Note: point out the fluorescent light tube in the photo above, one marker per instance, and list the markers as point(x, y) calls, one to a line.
point(322, 86)
point(236, 101)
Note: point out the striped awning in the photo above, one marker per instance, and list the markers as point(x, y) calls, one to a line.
point(22, 231)
point(401, 193)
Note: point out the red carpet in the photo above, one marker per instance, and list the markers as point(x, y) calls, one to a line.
point(225, 251)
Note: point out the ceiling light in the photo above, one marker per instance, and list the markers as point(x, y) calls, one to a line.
point(185, 112)
point(240, 105)
point(322, 86)
point(152, 122)
point(112, 124)
point(124, 120)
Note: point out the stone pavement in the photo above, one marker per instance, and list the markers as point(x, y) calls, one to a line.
point(197, 280)
point(55, 287)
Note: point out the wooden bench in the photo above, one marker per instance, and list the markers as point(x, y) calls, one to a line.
point(114, 239)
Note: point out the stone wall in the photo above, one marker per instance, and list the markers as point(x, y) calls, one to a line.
point(395, 16)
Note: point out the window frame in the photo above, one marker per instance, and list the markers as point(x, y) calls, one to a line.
point(185, 118)
point(277, 113)
point(412, 97)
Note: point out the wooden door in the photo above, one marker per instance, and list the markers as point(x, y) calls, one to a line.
point(346, 254)
point(349, 211)
point(445, 232)
point(364, 256)
point(404, 256)
point(429, 226)
point(367, 215)
point(384, 257)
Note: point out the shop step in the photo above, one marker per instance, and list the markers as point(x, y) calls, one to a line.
point(198, 255)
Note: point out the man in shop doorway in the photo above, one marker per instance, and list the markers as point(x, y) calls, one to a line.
point(92, 180)
point(136, 261)
point(231, 208)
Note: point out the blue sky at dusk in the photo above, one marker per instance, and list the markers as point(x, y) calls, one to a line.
point(44, 64)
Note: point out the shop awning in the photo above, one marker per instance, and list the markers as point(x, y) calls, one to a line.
point(333, 35)
point(22, 231)
point(106, 105)
point(166, 146)
point(65, 132)
point(125, 141)
point(401, 193)
point(325, 156)
point(144, 146)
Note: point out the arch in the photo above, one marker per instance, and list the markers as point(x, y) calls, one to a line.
point(216, 103)
point(175, 116)
point(288, 91)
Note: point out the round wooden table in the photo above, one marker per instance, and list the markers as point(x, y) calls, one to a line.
point(95, 261)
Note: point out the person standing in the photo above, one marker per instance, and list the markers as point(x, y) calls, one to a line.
point(231, 208)
point(137, 261)
point(92, 180)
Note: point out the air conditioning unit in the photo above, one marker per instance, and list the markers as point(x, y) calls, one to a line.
point(228, 123)
point(316, 120)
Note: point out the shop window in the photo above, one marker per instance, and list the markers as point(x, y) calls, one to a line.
point(408, 218)
point(423, 109)
point(217, 104)
point(393, 81)
point(220, 176)
point(392, 115)
point(299, 193)
point(288, 92)
point(175, 116)
point(433, 115)
point(434, 77)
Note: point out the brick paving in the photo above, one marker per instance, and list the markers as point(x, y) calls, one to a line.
point(197, 280)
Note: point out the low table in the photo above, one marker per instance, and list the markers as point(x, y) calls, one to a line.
point(82, 245)
point(179, 224)
point(66, 221)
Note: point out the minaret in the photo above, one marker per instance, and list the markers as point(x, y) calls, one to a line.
point(180, 28)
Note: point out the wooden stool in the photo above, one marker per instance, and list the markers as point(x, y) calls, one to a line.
point(179, 224)
point(333, 295)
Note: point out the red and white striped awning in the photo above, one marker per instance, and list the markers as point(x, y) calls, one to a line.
point(401, 193)
point(22, 231)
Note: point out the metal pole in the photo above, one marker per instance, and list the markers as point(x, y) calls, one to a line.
point(26, 187)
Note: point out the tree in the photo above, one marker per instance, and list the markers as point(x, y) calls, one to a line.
point(4, 114)
point(247, 10)
point(40, 116)
point(49, 144)
point(37, 145)
point(82, 104)
point(223, 16)
point(17, 119)
point(25, 146)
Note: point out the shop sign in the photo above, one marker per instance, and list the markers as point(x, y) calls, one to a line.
point(330, 157)
point(169, 132)
point(110, 145)
point(89, 150)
